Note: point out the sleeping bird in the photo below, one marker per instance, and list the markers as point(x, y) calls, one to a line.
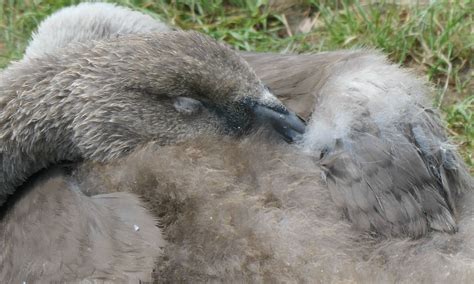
point(373, 168)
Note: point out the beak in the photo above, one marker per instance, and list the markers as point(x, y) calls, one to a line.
point(288, 124)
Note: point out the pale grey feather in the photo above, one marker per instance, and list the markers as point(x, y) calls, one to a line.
point(390, 166)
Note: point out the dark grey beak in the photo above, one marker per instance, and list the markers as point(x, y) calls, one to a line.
point(288, 124)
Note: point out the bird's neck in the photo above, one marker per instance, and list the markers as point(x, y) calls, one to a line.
point(27, 149)
point(35, 122)
point(61, 109)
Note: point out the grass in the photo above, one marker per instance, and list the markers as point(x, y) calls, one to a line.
point(436, 39)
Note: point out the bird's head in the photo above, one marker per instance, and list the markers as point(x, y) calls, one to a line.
point(216, 76)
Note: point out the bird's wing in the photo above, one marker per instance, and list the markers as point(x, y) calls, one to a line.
point(390, 165)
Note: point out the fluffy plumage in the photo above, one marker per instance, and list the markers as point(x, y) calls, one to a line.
point(388, 163)
point(251, 211)
point(257, 211)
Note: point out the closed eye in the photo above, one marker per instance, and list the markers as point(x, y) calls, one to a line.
point(186, 105)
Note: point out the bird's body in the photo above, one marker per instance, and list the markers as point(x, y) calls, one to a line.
point(253, 210)
point(230, 211)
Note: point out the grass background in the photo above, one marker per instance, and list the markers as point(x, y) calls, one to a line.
point(436, 38)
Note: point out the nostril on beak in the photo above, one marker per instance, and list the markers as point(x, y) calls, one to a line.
point(302, 122)
point(288, 124)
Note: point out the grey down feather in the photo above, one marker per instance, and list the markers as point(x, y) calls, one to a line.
point(374, 161)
